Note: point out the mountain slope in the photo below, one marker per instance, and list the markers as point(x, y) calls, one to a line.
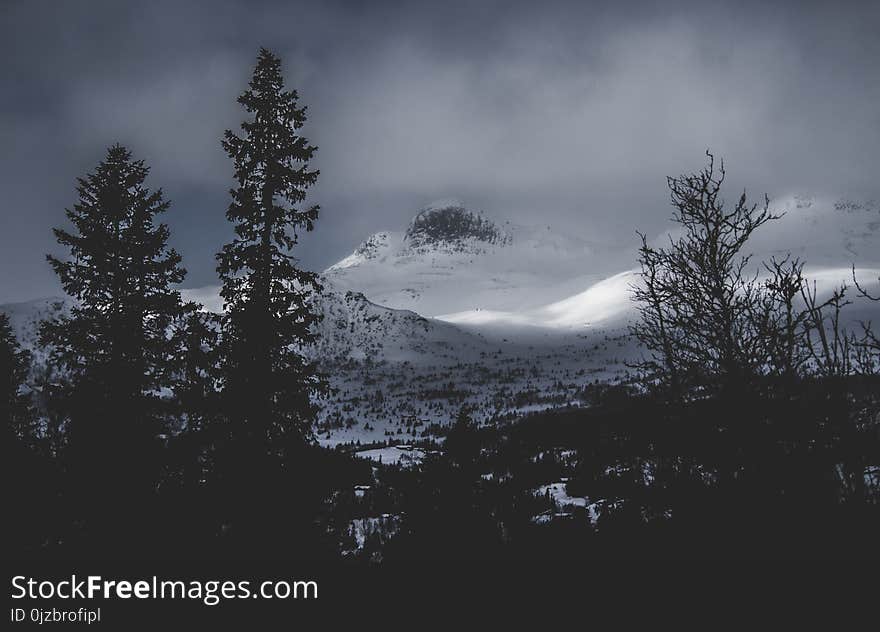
point(396, 376)
point(353, 328)
point(830, 237)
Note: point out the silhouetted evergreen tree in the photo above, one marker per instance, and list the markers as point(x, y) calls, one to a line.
point(268, 315)
point(114, 349)
point(462, 445)
point(267, 383)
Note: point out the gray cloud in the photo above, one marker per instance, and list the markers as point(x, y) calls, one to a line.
point(563, 113)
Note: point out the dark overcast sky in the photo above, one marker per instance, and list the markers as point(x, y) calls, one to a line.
point(550, 112)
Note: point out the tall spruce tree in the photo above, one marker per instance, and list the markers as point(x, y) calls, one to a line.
point(113, 347)
point(268, 317)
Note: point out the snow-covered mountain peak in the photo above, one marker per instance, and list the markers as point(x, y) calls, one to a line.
point(451, 258)
point(442, 228)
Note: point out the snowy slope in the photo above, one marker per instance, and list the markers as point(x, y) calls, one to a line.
point(353, 328)
point(830, 237)
point(396, 376)
point(824, 232)
point(606, 302)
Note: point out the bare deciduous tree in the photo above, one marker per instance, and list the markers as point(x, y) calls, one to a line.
point(698, 304)
point(781, 319)
point(709, 324)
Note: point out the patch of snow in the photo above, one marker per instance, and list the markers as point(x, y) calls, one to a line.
point(559, 494)
point(405, 456)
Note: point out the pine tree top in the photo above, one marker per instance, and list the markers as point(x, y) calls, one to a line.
point(271, 161)
point(116, 248)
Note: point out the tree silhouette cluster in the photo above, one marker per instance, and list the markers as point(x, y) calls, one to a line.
point(165, 408)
